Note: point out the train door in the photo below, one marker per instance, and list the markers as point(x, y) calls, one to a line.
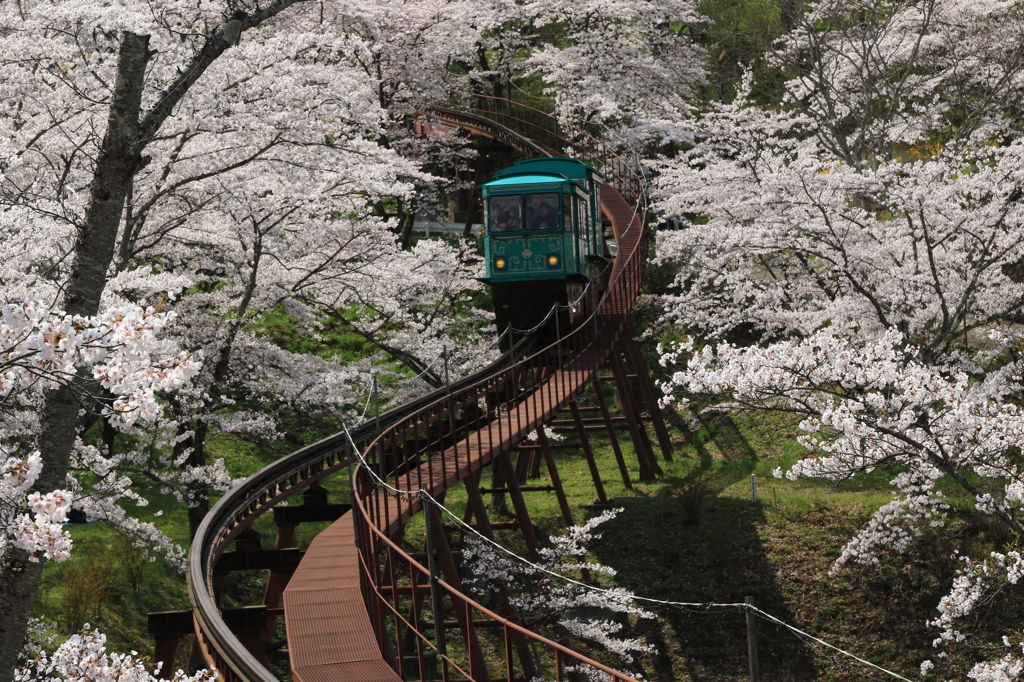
point(586, 232)
point(597, 231)
point(570, 220)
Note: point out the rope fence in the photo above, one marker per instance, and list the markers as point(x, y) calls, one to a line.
point(702, 608)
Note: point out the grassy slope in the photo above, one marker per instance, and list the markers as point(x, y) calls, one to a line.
point(779, 550)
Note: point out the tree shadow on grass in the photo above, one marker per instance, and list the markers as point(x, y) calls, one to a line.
point(719, 560)
point(662, 549)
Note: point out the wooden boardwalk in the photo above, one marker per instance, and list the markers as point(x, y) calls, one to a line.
point(329, 631)
point(330, 637)
point(355, 608)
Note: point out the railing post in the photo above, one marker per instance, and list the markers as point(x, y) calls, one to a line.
point(376, 430)
point(752, 640)
point(451, 413)
point(435, 590)
point(558, 337)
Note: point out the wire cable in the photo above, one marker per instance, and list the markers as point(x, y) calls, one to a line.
point(693, 607)
point(616, 597)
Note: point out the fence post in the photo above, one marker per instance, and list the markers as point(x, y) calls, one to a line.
point(429, 511)
point(752, 640)
point(376, 430)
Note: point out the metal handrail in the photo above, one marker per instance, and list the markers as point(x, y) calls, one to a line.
point(507, 624)
point(627, 181)
point(588, 347)
point(259, 493)
point(243, 504)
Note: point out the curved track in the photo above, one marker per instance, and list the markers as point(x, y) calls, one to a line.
point(355, 607)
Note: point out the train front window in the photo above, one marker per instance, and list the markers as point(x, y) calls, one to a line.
point(542, 211)
point(505, 213)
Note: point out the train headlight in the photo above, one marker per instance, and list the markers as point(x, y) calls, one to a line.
point(500, 263)
point(552, 261)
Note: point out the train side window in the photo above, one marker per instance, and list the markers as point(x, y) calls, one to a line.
point(505, 213)
point(542, 211)
point(567, 214)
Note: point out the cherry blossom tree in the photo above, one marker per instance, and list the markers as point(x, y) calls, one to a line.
point(851, 262)
point(85, 657)
point(556, 596)
point(612, 60)
point(66, 69)
point(118, 352)
point(227, 161)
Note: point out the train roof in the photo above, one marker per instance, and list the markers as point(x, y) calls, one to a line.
point(570, 169)
point(529, 183)
point(526, 180)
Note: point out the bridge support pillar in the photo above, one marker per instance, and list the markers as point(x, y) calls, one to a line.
point(464, 618)
point(475, 502)
point(587, 452)
point(635, 360)
point(610, 428)
point(641, 441)
point(519, 504)
point(556, 480)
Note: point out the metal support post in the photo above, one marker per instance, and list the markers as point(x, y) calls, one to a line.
point(587, 452)
point(556, 480)
point(451, 413)
point(603, 406)
point(752, 640)
point(519, 504)
point(376, 430)
point(435, 589)
point(636, 359)
point(636, 426)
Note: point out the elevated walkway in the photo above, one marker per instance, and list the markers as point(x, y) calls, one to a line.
point(330, 638)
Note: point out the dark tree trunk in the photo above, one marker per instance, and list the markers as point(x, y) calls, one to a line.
point(474, 198)
point(788, 14)
point(119, 158)
point(198, 492)
point(117, 162)
point(407, 220)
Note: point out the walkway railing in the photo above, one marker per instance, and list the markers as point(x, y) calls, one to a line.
point(438, 441)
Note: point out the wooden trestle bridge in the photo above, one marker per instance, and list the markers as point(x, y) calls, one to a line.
point(355, 602)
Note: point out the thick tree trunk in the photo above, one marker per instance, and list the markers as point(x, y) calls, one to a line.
point(119, 158)
point(407, 215)
point(117, 162)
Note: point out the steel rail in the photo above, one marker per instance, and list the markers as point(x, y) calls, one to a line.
point(589, 344)
point(259, 493)
point(526, 406)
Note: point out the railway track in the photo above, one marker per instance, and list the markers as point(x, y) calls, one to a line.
point(355, 603)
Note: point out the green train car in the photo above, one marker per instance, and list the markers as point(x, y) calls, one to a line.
point(543, 221)
point(543, 236)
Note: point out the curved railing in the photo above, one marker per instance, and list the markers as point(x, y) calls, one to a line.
point(503, 403)
point(430, 451)
point(535, 131)
point(242, 505)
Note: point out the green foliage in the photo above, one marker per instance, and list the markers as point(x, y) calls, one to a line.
point(739, 35)
point(334, 341)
